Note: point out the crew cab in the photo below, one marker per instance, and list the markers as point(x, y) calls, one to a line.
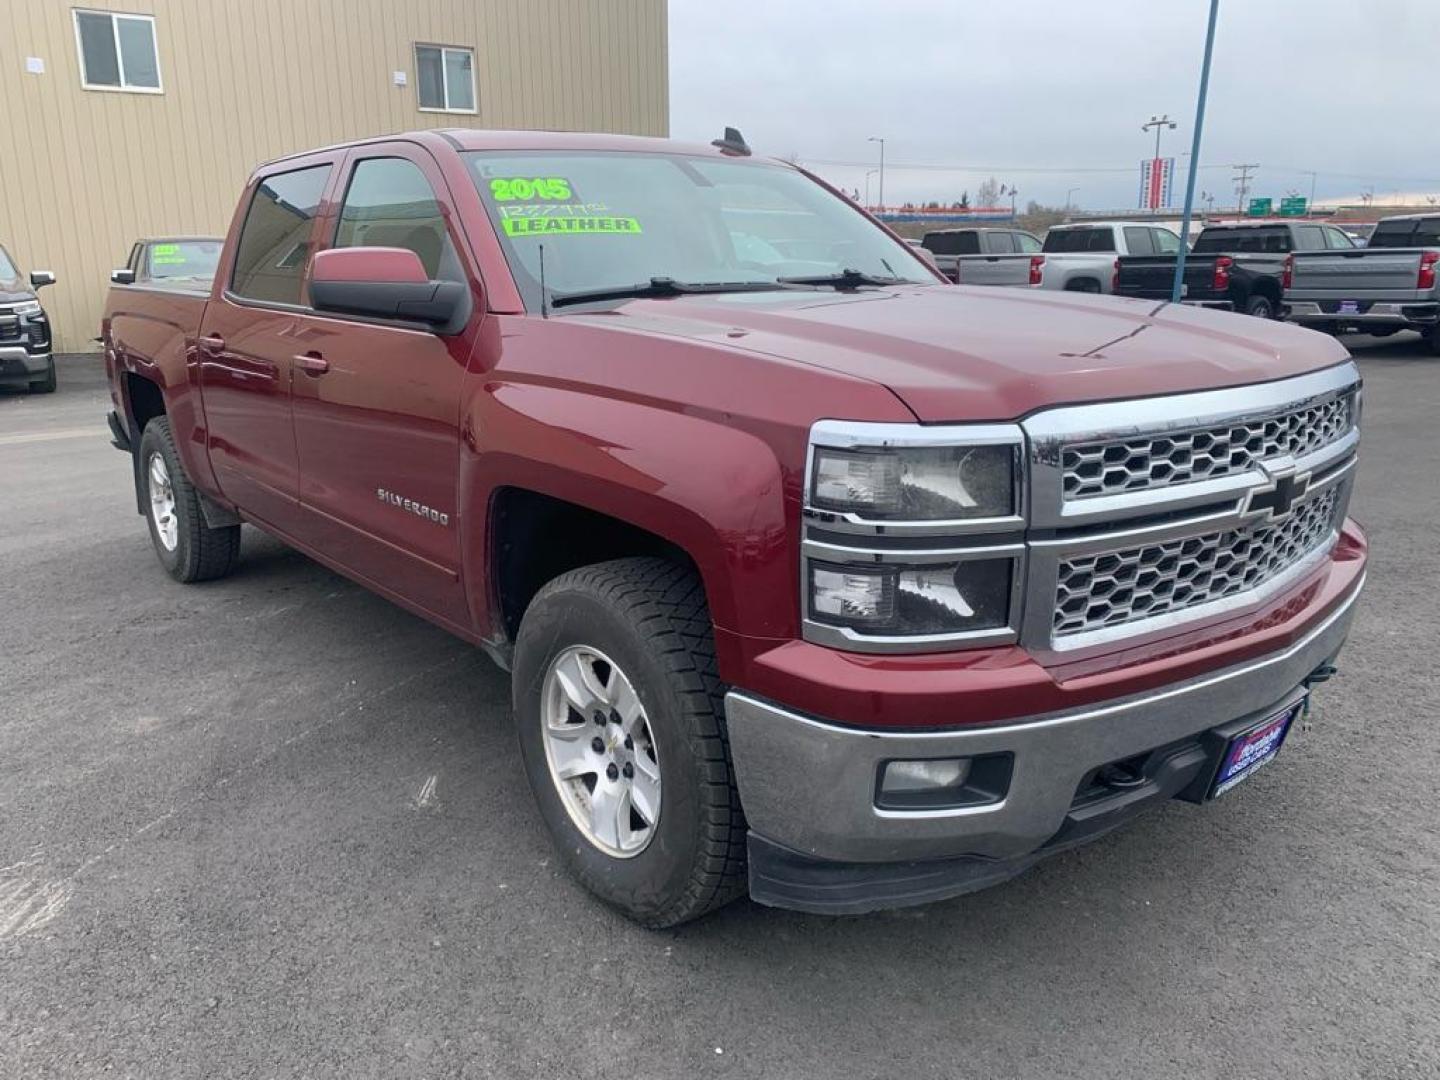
point(1386, 286)
point(178, 262)
point(25, 358)
point(815, 575)
point(1236, 266)
point(983, 255)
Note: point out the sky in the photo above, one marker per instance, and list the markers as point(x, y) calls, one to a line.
point(1050, 95)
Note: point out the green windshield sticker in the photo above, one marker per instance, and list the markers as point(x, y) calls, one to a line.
point(539, 226)
point(164, 249)
point(167, 260)
point(527, 188)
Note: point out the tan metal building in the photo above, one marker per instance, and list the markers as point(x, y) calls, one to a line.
point(128, 118)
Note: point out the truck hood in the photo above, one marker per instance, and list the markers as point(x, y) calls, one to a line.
point(955, 353)
point(14, 293)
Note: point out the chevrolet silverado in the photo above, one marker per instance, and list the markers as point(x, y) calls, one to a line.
point(815, 575)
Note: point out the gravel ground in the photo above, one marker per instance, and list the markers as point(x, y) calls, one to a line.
point(275, 827)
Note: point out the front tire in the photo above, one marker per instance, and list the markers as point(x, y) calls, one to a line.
point(620, 718)
point(188, 548)
point(47, 383)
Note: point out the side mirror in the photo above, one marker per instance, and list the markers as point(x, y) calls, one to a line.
point(124, 276)
point(384, 283)
point(40, 278)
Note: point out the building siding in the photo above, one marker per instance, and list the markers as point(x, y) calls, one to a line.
point(83, 173)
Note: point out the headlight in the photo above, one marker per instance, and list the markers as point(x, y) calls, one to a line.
point(928, 600)
point(912, 536)
point(923, 483)
point(27, 308)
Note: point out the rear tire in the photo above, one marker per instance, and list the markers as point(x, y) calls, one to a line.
point(1260, 306)
point(188, 549)
point(1432, 338)
point(47, 383)
point(1085, 286)
point(606, 652)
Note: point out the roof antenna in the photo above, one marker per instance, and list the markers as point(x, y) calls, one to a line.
point(544, 294)
point(732, 143)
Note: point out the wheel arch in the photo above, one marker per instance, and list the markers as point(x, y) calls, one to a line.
point(627, 478)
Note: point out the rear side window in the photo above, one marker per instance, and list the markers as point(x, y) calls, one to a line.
point(1309, 238)
point(1427, 232)
point(1393, 234)
point(999, 243)
point(1166, 242)
point(1026, 242)
point(1062, 240)
point(390, 204)
point(274, 244)
point(952, 243)
point(1137, 241)
point(1338, 239)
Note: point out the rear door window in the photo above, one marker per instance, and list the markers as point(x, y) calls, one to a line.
point(1165, 241)
point(1138, 242)
point(1309, 238)
point(274, 245)
point(1027, 243)
point(1066, 240)
point(389, 203)
point(1338, 239)
point(999, 243)
point(1427, 232)
point(1393, 234)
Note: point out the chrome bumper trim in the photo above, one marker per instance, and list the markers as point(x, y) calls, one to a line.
point(810, 785)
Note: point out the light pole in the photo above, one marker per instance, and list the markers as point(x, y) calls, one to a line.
point(869, 174)
point(1310, 206)
point(876, 138)
point(1159, 123)
point(1177, 285)
point(1012, 192)
point(1067, 197)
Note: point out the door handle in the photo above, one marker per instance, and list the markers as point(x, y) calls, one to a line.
point(312, 363)
point(211, 343)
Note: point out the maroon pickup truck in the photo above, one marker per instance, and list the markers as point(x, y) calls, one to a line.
point(816, 575)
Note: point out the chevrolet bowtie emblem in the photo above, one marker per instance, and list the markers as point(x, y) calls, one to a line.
point(1276, 500)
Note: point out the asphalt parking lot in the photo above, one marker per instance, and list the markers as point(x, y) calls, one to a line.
point(275, 827)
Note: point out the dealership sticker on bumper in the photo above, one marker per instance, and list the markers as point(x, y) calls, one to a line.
point(1251, 750)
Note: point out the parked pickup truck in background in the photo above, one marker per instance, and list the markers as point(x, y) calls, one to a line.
point(984, 256)
point(854, 604)
point(180, 262)
point(1082, 257)
point(1386, 286)
point(1237, 266)
point(25, 359)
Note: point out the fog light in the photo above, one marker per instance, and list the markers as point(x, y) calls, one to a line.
point(901, 776)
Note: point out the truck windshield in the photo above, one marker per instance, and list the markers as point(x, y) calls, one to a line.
point(187, 259)
point(608, 220)
point(8, 272)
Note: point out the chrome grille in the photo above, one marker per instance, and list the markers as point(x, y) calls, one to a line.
point(1136, 583)
point(1146, 462)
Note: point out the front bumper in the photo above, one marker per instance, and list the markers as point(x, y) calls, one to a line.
point(809, 787)
point(18, 364)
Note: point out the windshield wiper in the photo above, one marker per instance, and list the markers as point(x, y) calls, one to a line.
point(658, 286)
point(846, 279)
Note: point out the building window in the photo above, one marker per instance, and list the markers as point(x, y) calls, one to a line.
point(117, 51)
point(446, 78)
